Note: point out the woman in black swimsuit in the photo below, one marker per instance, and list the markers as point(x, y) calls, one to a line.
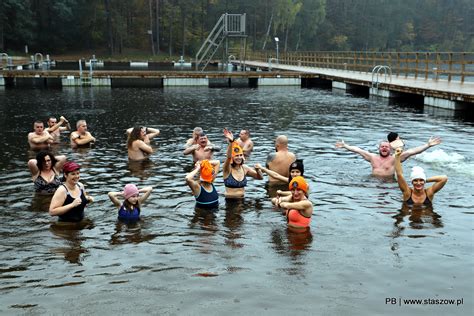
point(45, 172)
point(70, 198)
point(417, 195)
point(235, 171)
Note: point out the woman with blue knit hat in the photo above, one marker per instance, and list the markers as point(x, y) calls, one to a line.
point(418, 194)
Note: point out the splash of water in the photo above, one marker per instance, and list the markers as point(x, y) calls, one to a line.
point(443, 160)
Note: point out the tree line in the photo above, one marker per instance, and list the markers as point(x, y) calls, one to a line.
point(179, 27)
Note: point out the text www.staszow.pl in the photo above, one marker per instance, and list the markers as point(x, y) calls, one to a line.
point(426, 301)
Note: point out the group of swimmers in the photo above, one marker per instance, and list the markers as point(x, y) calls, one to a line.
point(70, 197)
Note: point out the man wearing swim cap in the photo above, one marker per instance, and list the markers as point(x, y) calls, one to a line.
point(280, 160)
point(383, 163)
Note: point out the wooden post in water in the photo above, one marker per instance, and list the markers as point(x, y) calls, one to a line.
point(463, 67)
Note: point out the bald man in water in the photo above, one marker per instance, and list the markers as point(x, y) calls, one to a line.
point(383, 163)
point(280, 160)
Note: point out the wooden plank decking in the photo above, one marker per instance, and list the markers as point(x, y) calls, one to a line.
point(453, 90)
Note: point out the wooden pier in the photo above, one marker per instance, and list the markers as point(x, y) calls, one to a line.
point(451, 86)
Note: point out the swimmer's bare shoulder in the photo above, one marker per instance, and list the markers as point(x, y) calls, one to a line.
point(270, 158)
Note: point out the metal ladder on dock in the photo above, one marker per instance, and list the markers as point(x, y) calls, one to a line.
point(228, 26)
point(376, 71)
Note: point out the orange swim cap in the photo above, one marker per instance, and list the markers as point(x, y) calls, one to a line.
point(207, 171)
point(300, 183)
point(236, 150)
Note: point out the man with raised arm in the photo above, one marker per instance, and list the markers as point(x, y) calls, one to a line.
point(280, 160)
point(383, 163)
point(81, 137)
point(55, 128)
point(39, 138)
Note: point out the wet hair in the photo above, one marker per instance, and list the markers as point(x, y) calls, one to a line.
point(38, 122)
point(40, 159)
point(297, 164)
point(135, 134)
point(392, 136)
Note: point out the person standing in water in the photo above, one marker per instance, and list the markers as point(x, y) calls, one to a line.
point(245, 142)
point(202, 150)
point(235, 170)
point(296, 169)
point(417, 194)
point(148, 133)
point(55, 128)
point(298, 208)
point(39, 138)
point(280, 159)
point(130, 208)
point(203, 189)
point(70, 198)
point(137, 146)
point(383, 163)
point(81, 137)
point(45, 172)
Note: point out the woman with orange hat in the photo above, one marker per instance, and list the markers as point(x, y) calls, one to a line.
point(235, 170)
point(298, 208)
point(70, 198)
point(129, 210)
point(204, 190)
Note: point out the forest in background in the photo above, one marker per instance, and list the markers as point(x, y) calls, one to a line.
point(179, 27)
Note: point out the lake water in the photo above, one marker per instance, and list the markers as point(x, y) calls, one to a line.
point(363, 248)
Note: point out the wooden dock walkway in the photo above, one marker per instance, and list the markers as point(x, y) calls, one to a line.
point(440, 89)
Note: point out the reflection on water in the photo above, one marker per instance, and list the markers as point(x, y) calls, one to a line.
point(418, 217)
point(72, 235)
point(233, 221)
point(205, 218)
point(292, 242)
point(40, 203)
point(140, 169)
point(245, 244)
point(130, 232)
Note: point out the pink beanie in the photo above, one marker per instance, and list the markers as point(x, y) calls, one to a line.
point(130, 190)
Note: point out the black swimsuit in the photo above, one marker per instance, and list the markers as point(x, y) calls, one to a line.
point(76, 214)
point(426, 202)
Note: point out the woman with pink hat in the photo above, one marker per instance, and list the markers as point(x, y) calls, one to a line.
point(70, 198)
point(129, 209)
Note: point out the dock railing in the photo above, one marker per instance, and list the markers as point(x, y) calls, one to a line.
point(456, 66)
